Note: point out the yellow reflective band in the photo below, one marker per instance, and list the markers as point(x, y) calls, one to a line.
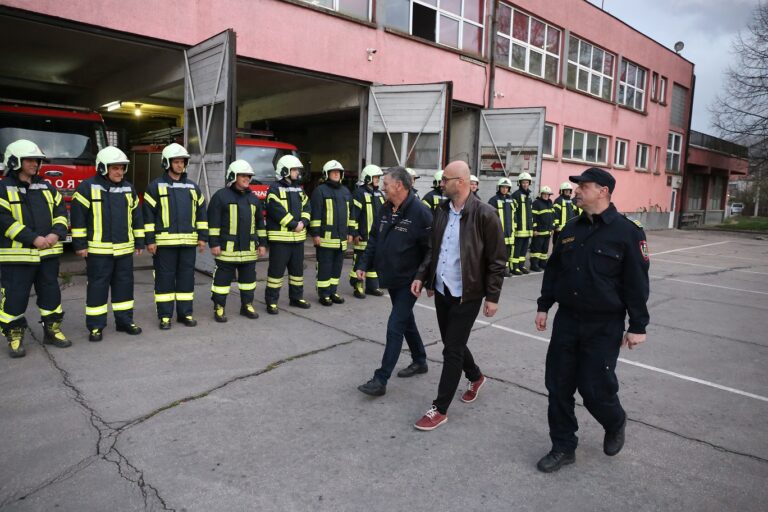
point(165, 297)
point(122, 306)
point(49, 199)
point(79, 232)
point(96, 213)
point(6, 318)
point(253, 219)
point(138, 233)
point(261, 233)
point(19, 255)
point(295, 281)
point(368, 214)
point(150, 200)
point(329, 211)
point(286, 220)
point(232, 219)
point(46, 312)
point(164, 208)
point(96, 310)
point(334, 280)
point(247, 286)
point(372, 274)
point(315, 223)
point(14, 229)
point(5, 204)
point(324, 284)
point(185, 296)
point(60, 220)
point(274, 282)
point(81, 199)
point(193, 193)
point(201, 225)
point(222, 290)
point(56, 249)
point(176, 239)
point(306, 215)
point(214, 231)
point(149, 228)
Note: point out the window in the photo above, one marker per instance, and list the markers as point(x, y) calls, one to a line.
point(641, 158)
point(717, 187)
point(620, 153)
point(357, 8)
point(549, 140)
point(674, 147)
point(654, 86)
point(419, 151)
point(656, 152)
point(454, 23)
point(678, 111)
point(632, 86)
point(585, 146)
point(528, 44)
point(590, 69)
point(695, 191)
point(663, 90)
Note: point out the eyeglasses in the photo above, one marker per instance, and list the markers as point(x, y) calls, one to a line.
point(449, 179)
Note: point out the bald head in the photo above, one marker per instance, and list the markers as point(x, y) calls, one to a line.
point(456, 182)
point(458, 168)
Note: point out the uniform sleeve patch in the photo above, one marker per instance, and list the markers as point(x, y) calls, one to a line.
point(644, 250)
point(638, 223)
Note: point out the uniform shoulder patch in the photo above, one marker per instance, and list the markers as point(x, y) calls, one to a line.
point(644, 250)
point(634, 221)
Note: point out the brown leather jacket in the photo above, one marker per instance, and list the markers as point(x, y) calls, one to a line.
point(483, 254)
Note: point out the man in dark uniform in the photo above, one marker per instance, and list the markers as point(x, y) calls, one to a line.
point(523, 223)
point(366, 203)
point(543, 221)
point(565, 209)
point(435, 196)
point(505, 207)
point(598, 274)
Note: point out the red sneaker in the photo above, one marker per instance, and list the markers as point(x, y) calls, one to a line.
point(470, 395)
point(431, 420)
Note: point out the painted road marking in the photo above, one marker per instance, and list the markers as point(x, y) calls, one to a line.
point(710, 266)
point(708, 285)
point(689, 248)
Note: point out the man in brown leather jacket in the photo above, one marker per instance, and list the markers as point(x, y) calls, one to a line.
point(465, 265)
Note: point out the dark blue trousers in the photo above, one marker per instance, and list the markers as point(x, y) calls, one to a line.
point(401, 324)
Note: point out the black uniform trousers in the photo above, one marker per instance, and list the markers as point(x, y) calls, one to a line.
point(282, 255)
point(371, 277)
point(104, 273)
point(224, 274)
point(582, 356)
point(174, 280)
point(539, 250)
point(329, 263)
point(17, 281)
point(510, 255)
point(521, 248)
point(455, 320)
point(555, 234)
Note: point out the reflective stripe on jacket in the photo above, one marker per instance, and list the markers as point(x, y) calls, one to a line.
point(236, 224)
point(330, 215)
point(174, 212)
point(287, 205)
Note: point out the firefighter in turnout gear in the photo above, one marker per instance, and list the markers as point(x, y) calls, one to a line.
point(287, 221)
point(33, 220)
point(543, 223)
point(435, 196)
point(564, 208)
point(366, 202)
point(523, 223)
point(107, 228)
point(505, 207)
point(237, 237)
point(474, 185)
point(330, 227)
point(414, 177)
point(175, 221)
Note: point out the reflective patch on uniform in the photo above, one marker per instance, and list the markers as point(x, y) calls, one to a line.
point(567, 240)
point(638, 223)
point(644, 249)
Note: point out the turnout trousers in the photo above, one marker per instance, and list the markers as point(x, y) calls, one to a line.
point(371, 277)
point(582, 356)
point(224, 274)
point(109, 273)
point(329, 263)
point(174, 280)
point(539, 250)
point(521, 248)
point(284, 255)
point(17, 281)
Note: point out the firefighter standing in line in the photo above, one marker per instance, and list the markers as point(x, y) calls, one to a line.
point(329, 227)
point(175, 221)
point(565, 209)
point(237, 237)
point(288, 217)
point(366, 203)
point(543, 222)
point(505, 207)
point(523, 223)
point(33, 219)
point(414, 177)
point(474, 185)
point(107, 228)
point(435, 196)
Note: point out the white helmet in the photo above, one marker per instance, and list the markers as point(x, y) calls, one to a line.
point(504, 182)
point(110, 155)
point(566, 185)
point(413, 174)
point(285, 164)
point(368, 172)
point(18, 150)
point(237, 168)
point(524, 176)
point(474, 179)
point(172, 151)
point(545, 190)
point(333, 165)
point(437, 179)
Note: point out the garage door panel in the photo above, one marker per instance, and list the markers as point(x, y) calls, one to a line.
point(510, 141)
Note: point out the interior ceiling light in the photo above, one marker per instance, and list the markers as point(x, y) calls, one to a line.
point(112, 105)
point(137, 109)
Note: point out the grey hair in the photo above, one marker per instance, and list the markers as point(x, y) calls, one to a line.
point(401, 175)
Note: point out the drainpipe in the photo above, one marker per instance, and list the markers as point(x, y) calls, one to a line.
point(687, 144)
point(492, 54)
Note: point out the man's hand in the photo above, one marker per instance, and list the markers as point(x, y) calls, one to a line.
point(358, 239)
point(41, 243)
point(541, 321)
point(416, 287)
point(83, 253)
point(316, 241)
point(299, 227)
point(631, 340)
point(52, 239)
point(262, 251)
point(216, 251)
point(152, 249)
point(361, 275)
point(200, 246)
point(490, 308)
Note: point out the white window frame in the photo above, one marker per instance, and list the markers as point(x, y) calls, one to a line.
point(638, 90)
point(642, 152)
point(656, 152)
point(583, 149)
point(663, 90)
point(654, 86)
point(674, 149)
point(623, 163)
point(448, 14)
point(591, 73)
point(335, 7)
point(545, 54)
point(550, 152)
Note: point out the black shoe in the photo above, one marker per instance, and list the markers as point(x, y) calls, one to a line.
point(524, 270)
point(300, 303)
point(373, 388)
point(359, 294)
point(52, 335)
point(536, 269)
point(218, 314)
point(507, 273)
point(377, 292)
point(165, 324)
point(613, 442)
point(517, 272)
point(95, 335)
point(413, 369)
point(188, 320)
point(553, 461)
point(326, 301)
point(272, 309)
point(247, 311)
point(337, 299)
point(131, 329)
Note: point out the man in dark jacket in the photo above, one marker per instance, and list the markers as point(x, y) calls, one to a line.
point(398, 242)
point(465, 264)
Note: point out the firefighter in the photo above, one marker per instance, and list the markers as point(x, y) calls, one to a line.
point(366, 202)
point(329, 227)
point(107, 228)
point(414, 177)
point(435, 196)
point(33, 220)
point(474, 185)
point(543, 223)
point(175, 221)
point(505, 207)
point(288, 217)
point(523, 223)
point(564, 208)
point(237, 237)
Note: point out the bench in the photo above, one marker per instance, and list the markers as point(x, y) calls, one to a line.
point(690, 220)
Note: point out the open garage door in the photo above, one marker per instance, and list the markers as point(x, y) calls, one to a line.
point(407, 126)
point(510, 141)
point(209, 115)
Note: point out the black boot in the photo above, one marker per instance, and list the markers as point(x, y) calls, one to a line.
point(373, 388)
point(553, 461)
point(300, 303)
point(52, 335)
point(613, 442)
point(15, 337)
point(131, 329)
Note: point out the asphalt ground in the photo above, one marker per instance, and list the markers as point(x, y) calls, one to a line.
point(265, 415)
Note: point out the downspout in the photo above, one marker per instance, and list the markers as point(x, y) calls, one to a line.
point(687, 144)
point(492, 54)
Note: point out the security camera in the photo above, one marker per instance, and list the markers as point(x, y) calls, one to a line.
point(371, 50)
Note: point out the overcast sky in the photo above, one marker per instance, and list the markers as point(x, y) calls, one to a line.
point(707, 28)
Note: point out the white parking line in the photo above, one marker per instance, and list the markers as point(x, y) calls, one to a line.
point(710, 266)
point(689, 248)
point(708, 285)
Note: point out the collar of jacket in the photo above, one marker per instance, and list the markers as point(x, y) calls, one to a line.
point(407, 202)
point(106, 182)
point(469, 206)
point(233, 188)
point(333, 184)
point(285, 183)
point(167, 178)
point(606, 216)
